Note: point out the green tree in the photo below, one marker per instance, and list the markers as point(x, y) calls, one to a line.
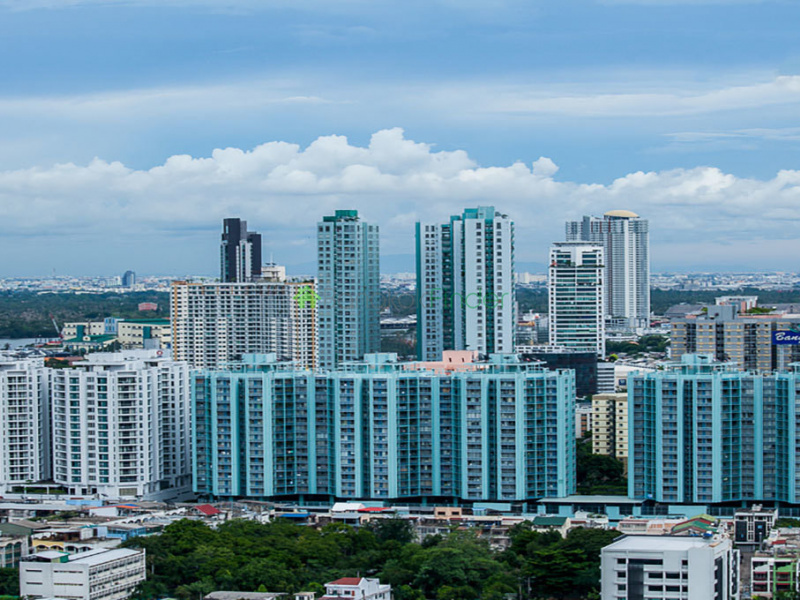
point(9, 582)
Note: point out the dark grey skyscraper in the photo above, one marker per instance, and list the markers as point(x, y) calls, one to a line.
point(240, 252)
point(129, 279)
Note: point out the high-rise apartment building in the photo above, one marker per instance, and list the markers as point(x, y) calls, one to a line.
point(746, 341)
point(25, 418)
point(121, 426)
point(610, 425)
point(348, 288)
point(675, 567)
point(240, 252)
point(465, 284)
point(217, 323)
point(503, 430)
point(625, 240)
point(704, 432)
point(575, 285)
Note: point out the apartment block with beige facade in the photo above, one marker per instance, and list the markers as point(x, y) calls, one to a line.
point(745, 341)
point(610, 425)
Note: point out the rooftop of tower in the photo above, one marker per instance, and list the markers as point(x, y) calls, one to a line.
point(625, 214)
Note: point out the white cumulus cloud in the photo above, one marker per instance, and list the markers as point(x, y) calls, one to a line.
point(283, 189)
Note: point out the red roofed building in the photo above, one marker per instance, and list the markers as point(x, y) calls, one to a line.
point(208, 510)
point(357, 588)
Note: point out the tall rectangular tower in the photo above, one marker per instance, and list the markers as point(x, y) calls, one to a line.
point(465, 284)
point(625, 239)
point(240, 252)
point(348, 288)
point(25, 453)
point(575, 286)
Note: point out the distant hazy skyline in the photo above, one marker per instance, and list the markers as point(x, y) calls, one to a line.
point(113, 114)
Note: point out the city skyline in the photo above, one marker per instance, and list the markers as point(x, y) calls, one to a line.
point(681, 111)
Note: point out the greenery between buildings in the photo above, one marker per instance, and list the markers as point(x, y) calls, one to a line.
point(27, 314)
point(646, 343)
point(597, 473)
point(189, 560)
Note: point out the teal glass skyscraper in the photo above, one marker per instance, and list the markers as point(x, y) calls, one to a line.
point(704, 432)
point(348, 288)
point(384, 430)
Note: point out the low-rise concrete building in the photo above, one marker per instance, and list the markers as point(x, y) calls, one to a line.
point(683, 568)
point(357, 588)
point(94, 575)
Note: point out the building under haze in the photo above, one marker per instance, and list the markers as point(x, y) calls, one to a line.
point(575, 290)
point(465, 284)
point(503, 430)
point(240, 252)
point(625, 240)
point(348, 288)
point(128, 279)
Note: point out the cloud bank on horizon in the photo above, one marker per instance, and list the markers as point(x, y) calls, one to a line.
point(283, 189)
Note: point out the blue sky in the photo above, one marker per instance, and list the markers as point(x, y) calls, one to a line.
point(686, 111)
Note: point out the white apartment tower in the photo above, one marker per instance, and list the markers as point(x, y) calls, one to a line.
point(625, 239)
point(25, 418)
point(121, 426)
point(575, 285)
point(348, 289)
point(216, 323)
point(465, 284)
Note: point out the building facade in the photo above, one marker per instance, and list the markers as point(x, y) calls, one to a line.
point(465, 284)
point(25, 415)
point(575, 285)
point(94, 575)
point(703, 432)
point(610, 425)
point(121, 426)
point(216, 323)
point(382, 430)
point(558, 357)
point(775, 575)
point(128, 279)
point(640, 567)
point(625, 240)
point(240, 252)
point(745, 341)
point(348, 288)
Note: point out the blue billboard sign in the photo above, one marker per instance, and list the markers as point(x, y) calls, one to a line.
point(782, 338)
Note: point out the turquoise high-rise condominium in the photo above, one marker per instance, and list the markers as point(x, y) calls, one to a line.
point(348, 288)
point(380, 429)
point(465, 284)
point(704, 432)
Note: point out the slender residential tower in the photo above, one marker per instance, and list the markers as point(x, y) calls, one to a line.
point(465, 284)
point(240, 252)
point(348, 288)
point(575, 285)
point(625, 240)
